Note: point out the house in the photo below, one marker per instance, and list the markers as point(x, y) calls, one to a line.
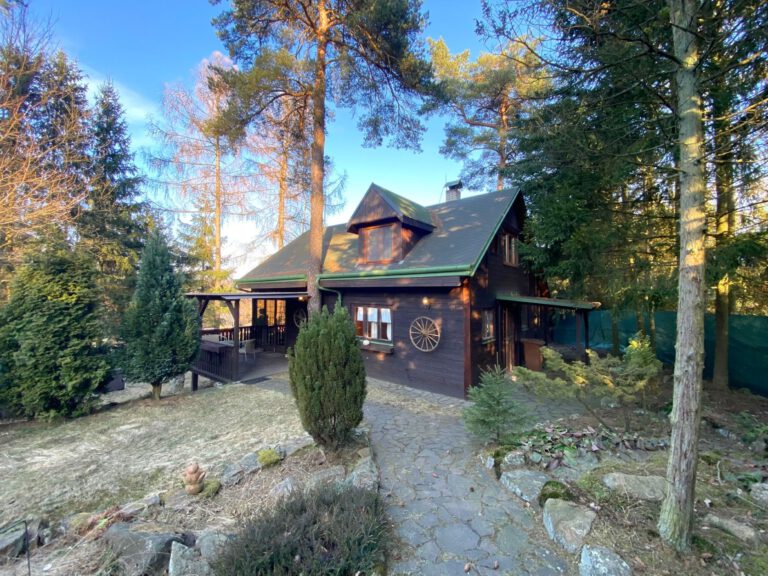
point(436, 293)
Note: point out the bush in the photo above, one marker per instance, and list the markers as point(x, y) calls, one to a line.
point(323, 531)
point(161, 327)
point(494, 414)
point(52, 357)
point(624, 379)
point(328, 377)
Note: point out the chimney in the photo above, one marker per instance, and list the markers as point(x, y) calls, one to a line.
point(453, 190)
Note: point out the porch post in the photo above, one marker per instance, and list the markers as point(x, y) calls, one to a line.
point(586, 329)
point(579, 342)
point(236, 339)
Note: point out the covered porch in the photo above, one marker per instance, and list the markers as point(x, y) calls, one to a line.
point(527, 324)
point(251, 349)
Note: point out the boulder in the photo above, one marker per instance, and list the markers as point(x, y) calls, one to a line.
point(250, 463)
point(186, 562)
point(12, 541)
point(295, 444)
point(567, 523)
point(140, 506)
point(651, 488)
point(38, 533)
point(364, 475)
point(142, 548)
point(283, 489)
point(526, 484)
point(743, 532)
point(232, 475)
point(512, 460)
point(210, 542)
point(599, 561)
point(760, 493)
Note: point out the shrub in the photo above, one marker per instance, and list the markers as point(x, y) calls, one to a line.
point(494, 414)
point(622, 379)
point(268, 457)
point(161, 327)
point(323, 531)
point(52, 356)
point(328, 377)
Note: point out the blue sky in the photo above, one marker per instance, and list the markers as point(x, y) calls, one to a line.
point(143, 45)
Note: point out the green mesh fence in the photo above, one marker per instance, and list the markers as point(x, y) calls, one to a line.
point(748, 362)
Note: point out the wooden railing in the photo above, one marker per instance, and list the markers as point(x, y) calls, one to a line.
point(218, 359)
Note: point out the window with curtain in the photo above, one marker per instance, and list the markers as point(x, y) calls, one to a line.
point(373, 323)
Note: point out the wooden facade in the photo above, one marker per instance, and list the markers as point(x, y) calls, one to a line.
point(446, 302)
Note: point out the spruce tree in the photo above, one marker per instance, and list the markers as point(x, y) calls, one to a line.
point(113, 221)
point(161, 327)
point(52, 356)
point(328, 377)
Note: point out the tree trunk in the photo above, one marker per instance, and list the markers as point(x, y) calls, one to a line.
point(502, 134)
point(156, 390)
point(676, 519)
point(217, 215)
point(725, 227)
point(282, 192)
point(317, 194)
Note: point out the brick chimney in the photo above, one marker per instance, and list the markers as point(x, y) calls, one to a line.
point(453, 190)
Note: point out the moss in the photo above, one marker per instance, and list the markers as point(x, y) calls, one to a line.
point(711, 458)
point(268, 457)
point(555, 489)
point(703, 545)
point(211, 487)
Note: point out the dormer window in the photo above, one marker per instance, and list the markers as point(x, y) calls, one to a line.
point(378, 243)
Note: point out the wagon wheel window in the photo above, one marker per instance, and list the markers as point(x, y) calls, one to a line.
point(425, 334)
point(299, 317)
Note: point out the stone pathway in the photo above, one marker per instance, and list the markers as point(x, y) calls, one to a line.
point(447, 509)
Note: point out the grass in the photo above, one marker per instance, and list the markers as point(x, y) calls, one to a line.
point(126, 452)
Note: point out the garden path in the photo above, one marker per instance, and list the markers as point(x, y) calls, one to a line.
point(447, 509)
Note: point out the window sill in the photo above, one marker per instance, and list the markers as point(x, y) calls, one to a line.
point(377, 346)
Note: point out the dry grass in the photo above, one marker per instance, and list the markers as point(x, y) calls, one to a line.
point(135, 448)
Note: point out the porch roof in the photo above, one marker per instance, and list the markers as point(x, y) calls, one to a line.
point(229, 296)
point(551, 302)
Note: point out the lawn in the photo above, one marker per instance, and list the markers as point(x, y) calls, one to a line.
point(135, 448)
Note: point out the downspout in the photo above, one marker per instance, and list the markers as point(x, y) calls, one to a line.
point(324, 289)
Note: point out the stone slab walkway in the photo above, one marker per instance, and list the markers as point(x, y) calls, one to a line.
point(446, 508)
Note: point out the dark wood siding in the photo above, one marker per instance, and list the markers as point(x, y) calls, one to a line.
point(439, 371)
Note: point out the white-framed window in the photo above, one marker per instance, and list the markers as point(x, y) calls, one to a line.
point(373, 323)
point(509, 249)
point(489, 329)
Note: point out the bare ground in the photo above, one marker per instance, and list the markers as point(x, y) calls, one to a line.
point(129, 450)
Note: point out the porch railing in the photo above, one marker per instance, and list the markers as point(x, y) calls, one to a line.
point(217, 356)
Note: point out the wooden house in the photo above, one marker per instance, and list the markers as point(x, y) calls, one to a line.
point(436, 293)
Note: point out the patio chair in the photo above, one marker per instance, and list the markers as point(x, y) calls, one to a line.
point(248, 347)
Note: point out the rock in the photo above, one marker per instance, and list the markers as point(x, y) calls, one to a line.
point(759, 493)
point(599, 561)
point(326, 476)
point(364, 475)
point(142, 548)
point(296, 444)
point(651, 488)
point(12, 542)
point(210, 543)
point(512, 460)
point(741, 531)
point(488, 461)
point(186, 562)
point(250, 463)
point(76, 523)
point(37, 529)
point(284, 488)
point(178, 500)
point(567, 523)
point(232, 475)
point(526, 484)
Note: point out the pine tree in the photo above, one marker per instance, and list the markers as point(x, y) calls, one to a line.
point(328, 377)
point(161, 328)
point(113, 221)
point(51, 353)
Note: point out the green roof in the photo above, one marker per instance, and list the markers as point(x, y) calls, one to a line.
point(463, 230)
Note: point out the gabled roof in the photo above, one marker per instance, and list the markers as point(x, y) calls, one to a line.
point(463, 231)
point(379, 204)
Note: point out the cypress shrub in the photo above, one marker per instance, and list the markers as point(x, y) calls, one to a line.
point(52, 353)
point(328, 377)
point(494, 415)
point(161, 328)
